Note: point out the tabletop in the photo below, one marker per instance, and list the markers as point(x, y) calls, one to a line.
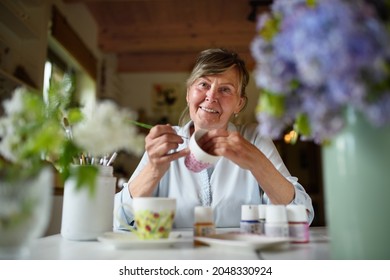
point(55, 247)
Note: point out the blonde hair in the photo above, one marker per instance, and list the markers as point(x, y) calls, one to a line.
point(216, 61)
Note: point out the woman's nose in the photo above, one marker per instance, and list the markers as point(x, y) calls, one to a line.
point(212, 95)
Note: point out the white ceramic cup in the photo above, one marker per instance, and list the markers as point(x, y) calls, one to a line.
point(153, 216)
point(198, 159)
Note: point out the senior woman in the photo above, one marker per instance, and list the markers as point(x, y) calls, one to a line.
point(250, 171)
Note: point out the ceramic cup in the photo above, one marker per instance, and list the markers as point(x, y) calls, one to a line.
point(86, 216)
point(198, 159)
point(153, 216)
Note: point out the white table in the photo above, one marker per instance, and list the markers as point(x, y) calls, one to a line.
point(55, 247)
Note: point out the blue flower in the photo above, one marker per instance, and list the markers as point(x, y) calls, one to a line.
point(314, 58)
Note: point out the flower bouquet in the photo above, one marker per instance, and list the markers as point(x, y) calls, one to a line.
point(39, 136)
point(36, 133)
point(317, 57)
point(323, 67)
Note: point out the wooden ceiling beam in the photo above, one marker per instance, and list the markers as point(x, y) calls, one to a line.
point(167, 35)
point(156, 62)
point(109, 1)
point(166, 62)
point(174, 43)
point(178, 29)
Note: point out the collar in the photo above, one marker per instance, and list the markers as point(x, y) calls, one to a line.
point(188, 125)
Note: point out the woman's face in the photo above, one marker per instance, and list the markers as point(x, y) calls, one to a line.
point(213, 99)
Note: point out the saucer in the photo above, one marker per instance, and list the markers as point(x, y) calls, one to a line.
point(246, 241)
point(129, 240)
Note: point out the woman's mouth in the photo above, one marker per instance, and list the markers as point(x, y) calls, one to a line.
point(209, 110)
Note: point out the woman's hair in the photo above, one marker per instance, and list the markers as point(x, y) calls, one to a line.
point(216, 61)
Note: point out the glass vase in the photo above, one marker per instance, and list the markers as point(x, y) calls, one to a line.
point(357, 190)
point(25, 208)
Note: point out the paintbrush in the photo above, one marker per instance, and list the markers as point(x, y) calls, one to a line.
point(148, 126)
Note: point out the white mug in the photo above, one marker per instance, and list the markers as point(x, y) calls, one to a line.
point(198, 159)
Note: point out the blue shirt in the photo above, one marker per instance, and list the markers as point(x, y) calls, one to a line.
point(225, 187)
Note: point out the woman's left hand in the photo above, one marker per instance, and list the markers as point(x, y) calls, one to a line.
point(232, 145)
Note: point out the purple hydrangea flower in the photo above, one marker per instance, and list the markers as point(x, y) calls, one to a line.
point(320, 59)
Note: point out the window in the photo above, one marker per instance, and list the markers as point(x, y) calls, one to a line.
point(59, 63)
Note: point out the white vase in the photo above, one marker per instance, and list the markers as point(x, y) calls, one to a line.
point(25, 208)
point(357, 190)
point(84, 215)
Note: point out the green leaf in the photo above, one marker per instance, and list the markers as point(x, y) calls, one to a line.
point(74, 115)
point(86, 176)
point(302, 124)
point(311, 3)
point(271, 103)
point(270, 28)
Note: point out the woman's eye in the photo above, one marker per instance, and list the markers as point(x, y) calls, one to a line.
point(203, 85)
point(226, 90)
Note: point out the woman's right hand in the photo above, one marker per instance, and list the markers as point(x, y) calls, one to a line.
point(159, 144)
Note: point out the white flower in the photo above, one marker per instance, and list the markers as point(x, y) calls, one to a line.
point(15, 104)
point(9, 136)
point(107, 129)
point(33, 134)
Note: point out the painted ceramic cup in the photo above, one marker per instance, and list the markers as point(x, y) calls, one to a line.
point(153, 216)
point(198, 159)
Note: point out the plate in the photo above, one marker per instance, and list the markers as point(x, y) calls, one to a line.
point(246, 241)
point(129, 240)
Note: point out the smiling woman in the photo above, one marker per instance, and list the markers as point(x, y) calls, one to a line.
point(249, 171)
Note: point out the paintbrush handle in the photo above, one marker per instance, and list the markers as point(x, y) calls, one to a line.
point(144, 125)
point(148, 126)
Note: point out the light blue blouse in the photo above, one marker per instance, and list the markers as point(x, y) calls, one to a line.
point(225, 188)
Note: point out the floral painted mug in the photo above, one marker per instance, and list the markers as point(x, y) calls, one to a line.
point(153, 216)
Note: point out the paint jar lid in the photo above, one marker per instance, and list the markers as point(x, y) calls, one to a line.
point(276, 214)
point(249, 212)
point(203, 214)
point(296, 213)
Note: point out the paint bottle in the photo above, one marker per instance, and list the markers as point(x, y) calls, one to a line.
point(250, 219)
point(204, 222)
point(298, 225)
point(276, 224)
point(262, 210)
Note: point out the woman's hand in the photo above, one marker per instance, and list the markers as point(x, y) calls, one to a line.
point(231, 145)
point(159, 143)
